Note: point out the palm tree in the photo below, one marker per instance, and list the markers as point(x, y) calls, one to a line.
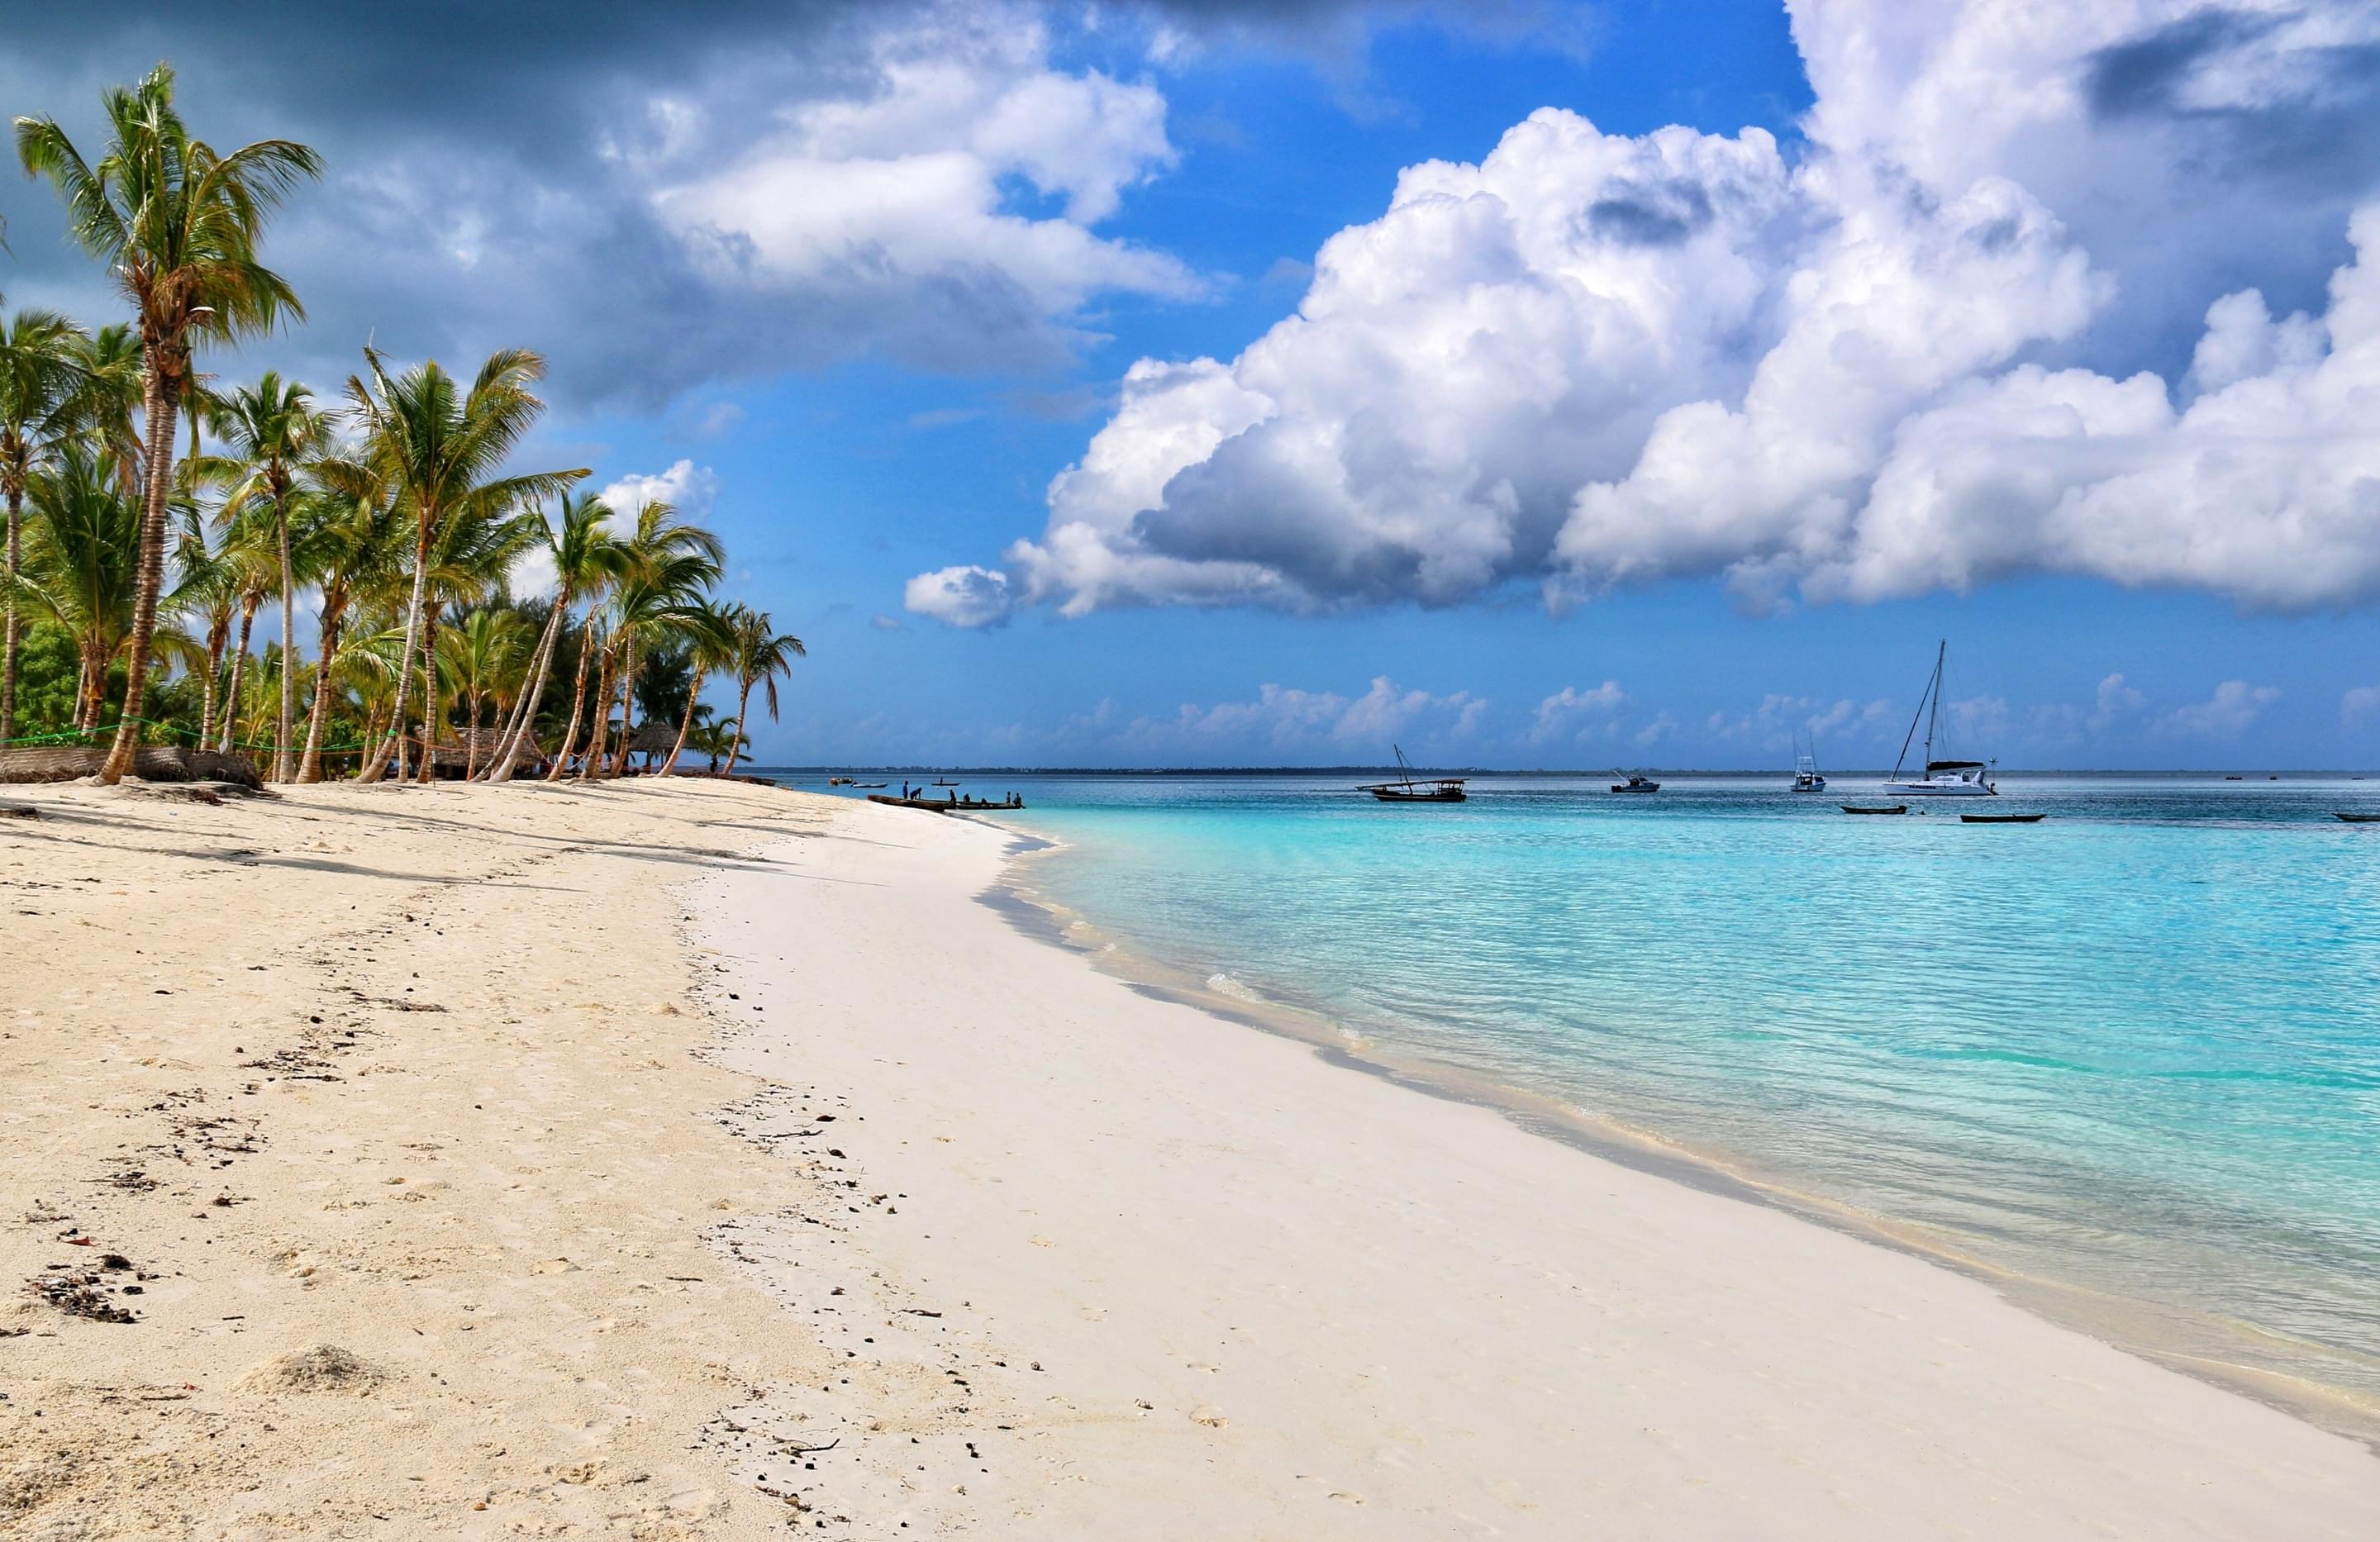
point(80, 565)
point(440, 447)
point(485, 657)
point(468, 565)
point(672, 564)
point(352, 540)
point(714, 740)
point(710, 635)
point(270, 430)
point(246, 563)
point(110, 398)
point(586, 560)
point(209, 589)
point(178, 225)
point(760, 655)
point(39, 391)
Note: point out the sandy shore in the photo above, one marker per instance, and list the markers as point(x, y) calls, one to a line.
point(528, 1161)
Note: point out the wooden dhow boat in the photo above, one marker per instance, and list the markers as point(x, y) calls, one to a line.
point(1443, 789)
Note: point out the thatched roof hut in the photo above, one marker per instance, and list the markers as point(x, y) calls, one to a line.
point(653, 738)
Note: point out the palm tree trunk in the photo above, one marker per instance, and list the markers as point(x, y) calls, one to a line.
point(578, 701)
point(218, 634)
point(8, 668)
point(736, 745)
point(598, 740)
point(471, 745)
point(433, 709)
point(518, 730)
point(91, 686)
point(630, 666)
point(283, 769)
point(238, 667)
point(157, 428)
point(376, 763)
point(310, 769)
point(686, 724)
point(404, 654)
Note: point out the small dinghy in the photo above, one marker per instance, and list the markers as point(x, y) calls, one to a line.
point(2001, 819)
point(2358, 818)
point(1885, 808)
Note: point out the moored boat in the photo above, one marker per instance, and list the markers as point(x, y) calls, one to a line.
point(1806, 776)
point(1635, 783)
point(1875, 809)
point(1943, 778)
point(1443, 789)
point(2356, 819)
point(2001, 819)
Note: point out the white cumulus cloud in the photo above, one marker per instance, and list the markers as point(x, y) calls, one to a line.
point(1576, 713)
point(894, 198)
point(2229, 712)
point(1948, 341)
point(688, 488)
point(965, 596)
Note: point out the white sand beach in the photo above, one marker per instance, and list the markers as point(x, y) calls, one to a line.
point(521, 1160)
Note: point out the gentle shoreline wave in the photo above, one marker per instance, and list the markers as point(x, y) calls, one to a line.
point(2024, 1248)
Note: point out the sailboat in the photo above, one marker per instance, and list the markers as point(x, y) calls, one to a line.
point(1941, 778)
point(1444, 789)
point(1806, 778)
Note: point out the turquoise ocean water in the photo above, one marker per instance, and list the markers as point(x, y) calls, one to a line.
point(2134, 1048)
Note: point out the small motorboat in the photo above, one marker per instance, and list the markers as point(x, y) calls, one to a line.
point(2358, 818)
point(2001, 819)
point(867, 785)
point(1444, 789)
point(2235, 779)
point(1806, 776)
point(1875, 809)
point(1635, 785)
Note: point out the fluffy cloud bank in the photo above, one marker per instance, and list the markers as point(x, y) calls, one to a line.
point(1935, 347)
point(887, 201)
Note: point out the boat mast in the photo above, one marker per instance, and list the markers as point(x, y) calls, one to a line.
point(1934, 689)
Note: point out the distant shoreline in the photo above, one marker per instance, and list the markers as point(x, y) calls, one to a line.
point(1786, 772)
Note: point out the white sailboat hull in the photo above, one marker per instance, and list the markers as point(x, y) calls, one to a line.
point(1942, 787)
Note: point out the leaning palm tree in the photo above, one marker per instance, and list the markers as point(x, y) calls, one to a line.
point(483, 658)
point(178, 223)
point(352, 541)
point(440, 446)
point(207, 591)
point(586, 561)
point(468, 565)
point(248, 564)
point(39, 390)
point(709, 634)
point(270, 430)
point(760, 655)
point(672, 564)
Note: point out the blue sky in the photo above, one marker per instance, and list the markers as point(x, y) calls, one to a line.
point(1556, 462)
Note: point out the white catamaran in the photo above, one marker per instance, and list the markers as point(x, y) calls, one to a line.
point(1942, 778)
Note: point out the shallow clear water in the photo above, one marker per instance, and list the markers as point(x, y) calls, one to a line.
point(2135, 1047)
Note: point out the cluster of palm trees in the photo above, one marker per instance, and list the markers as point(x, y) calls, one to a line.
point(397, 507)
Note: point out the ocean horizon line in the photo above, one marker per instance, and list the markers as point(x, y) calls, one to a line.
point(2242, 769)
